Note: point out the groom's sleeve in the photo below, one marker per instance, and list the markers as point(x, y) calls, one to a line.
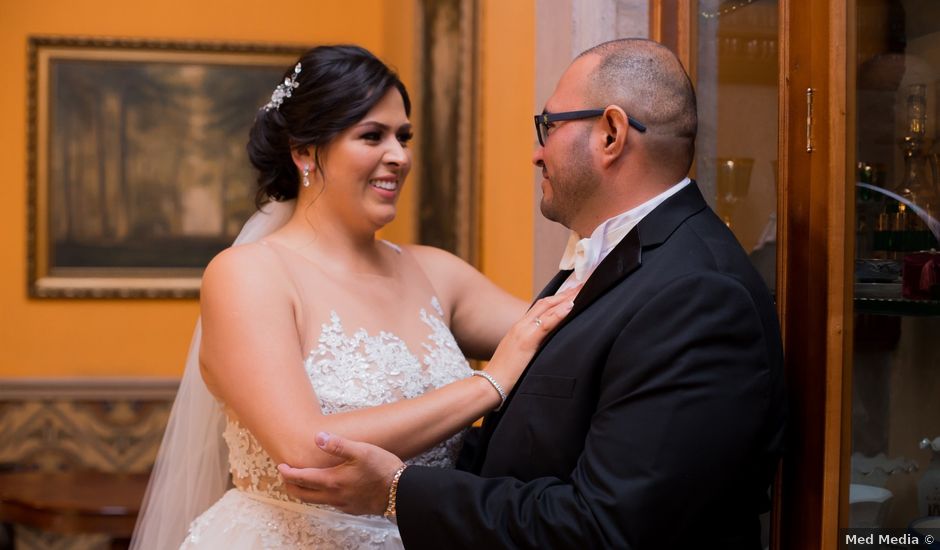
point(467, 459)
point(686, 428)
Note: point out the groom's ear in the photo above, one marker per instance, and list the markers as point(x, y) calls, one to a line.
point(614, 127)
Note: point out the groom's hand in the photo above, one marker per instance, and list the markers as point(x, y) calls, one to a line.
point(359, 485)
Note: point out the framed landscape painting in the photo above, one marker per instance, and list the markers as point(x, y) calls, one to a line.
point(138, 173)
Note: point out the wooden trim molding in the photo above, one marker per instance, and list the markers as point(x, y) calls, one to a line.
point(847, 132)
point(673, 24)
point(20, 389)
point(656, 20)
point(814, 243)
point(781, 294)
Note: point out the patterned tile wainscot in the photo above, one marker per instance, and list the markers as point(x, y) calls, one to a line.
point(61, 425)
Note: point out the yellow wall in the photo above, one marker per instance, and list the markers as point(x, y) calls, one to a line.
point(398, 50)
point(508, 87)
point(139, 337)
point(49, 338)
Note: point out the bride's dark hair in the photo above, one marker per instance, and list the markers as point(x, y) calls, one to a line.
point(337, 86)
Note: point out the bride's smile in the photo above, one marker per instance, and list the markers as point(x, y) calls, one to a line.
point(364, 168)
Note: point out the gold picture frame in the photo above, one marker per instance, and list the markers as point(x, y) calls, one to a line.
point(137, 168)
point(449, 112)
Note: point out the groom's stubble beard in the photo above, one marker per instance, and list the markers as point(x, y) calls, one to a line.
point(573, 183)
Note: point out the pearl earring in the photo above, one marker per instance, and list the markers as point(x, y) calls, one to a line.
point(307, 175)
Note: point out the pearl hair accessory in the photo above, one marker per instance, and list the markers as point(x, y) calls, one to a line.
point(283, 90)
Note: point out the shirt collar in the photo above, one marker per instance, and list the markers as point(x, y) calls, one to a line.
point(584, 255)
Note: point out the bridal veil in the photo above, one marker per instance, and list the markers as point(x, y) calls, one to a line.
point(191, 470)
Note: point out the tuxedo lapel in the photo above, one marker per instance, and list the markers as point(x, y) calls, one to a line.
point(552, 287)
point(623, 260)
point(626, 257)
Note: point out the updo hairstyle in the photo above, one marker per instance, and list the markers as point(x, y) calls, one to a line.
point(337, 87)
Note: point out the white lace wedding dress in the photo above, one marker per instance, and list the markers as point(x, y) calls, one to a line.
point(349, 368)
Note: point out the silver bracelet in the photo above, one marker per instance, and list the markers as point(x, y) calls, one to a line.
point(499, 389)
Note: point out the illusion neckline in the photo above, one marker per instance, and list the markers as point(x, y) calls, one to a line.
point(334, 271)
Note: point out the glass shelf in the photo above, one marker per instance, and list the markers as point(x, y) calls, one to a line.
point(895, 345)
point(897, 306)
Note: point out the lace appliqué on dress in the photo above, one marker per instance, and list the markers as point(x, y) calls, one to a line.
point(238, 521)
point(354, 371)
point(252, 468)
point(347, 371)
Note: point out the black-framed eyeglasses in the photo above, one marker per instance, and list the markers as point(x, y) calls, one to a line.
point(543, 121)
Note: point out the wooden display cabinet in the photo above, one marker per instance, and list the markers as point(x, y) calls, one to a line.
point(863, 361)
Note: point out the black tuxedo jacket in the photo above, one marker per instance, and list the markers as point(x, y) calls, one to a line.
point(652, 417)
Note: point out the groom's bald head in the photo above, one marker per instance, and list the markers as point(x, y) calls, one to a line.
point(650, 84)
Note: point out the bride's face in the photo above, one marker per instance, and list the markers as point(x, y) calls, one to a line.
point(365, 166)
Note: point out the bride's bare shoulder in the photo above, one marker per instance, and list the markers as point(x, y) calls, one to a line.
point(248, 267)
point(436, 261)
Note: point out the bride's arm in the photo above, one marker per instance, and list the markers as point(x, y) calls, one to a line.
point(481, 313)
point(252, 360)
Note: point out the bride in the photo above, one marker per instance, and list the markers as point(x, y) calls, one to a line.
point(312, 324)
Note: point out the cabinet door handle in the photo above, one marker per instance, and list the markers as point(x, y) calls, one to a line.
point(809, 120)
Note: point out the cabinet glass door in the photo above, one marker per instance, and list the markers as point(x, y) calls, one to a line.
point(735, 75)
point(734, 70)
point(895, 434)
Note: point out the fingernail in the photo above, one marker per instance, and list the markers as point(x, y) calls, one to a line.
point(322, 439)
point(569, 305)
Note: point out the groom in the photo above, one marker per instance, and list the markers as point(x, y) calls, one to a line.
point(653, 417)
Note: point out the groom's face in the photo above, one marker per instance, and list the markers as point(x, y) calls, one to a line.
point(569, 178)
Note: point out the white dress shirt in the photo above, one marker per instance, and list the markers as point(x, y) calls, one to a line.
point(584, 255)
